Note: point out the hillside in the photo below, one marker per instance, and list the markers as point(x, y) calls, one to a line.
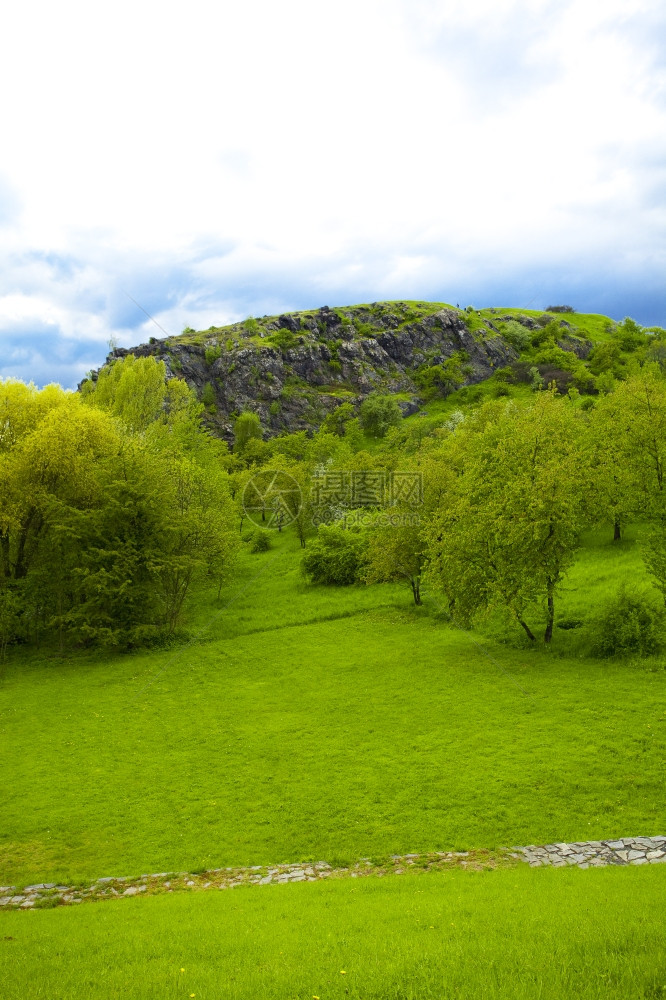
point(295, 368)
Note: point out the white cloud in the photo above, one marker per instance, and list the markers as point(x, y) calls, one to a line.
point(215, 160)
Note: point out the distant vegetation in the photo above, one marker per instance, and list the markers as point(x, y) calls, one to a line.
point(117, 501)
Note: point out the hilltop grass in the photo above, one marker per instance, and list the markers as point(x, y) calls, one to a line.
point(283, 736)
point(503, 935)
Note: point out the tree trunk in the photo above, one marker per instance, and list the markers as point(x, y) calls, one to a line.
point(528, 630)
point(416, 590)
point(548, 634)
point(617, 531)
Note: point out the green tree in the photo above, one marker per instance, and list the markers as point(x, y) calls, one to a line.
point(378, 413)
point(396, 550)
point(247, 428)
point(510, 527)
point(338, 418)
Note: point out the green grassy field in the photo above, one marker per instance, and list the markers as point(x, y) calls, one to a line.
point(324, 724)
point(511, 935)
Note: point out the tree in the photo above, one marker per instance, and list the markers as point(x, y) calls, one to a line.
point(378, 413)
point(396, 551)
point(246, 428)
point(335, 556)
point(614, 480)
point(510, 526)
point(338, 418)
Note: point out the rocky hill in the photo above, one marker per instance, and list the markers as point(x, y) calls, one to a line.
point(294, 369)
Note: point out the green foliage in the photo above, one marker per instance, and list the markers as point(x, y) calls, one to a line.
point(396, 550)
point(536, 379)
point(367, 329)
point(107, 517)
point(251, 326)
point(630, 336)
point(284, 339)
point(444, 378)
point(335, 556)
point(212, 353)
point(378, 413)
point(247, 428)
point(337, 419)
point(260, 540)
point(505, 530)
point(208, 396)
point(630, 624)
point(607, 359)
point(137, 391)
point(516, 334)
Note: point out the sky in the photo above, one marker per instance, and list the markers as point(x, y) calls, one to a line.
point(205, 162)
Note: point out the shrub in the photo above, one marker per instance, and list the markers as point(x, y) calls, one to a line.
point(208, 395)
point(284, 339)
point(247, 427)
point(560, 309)
point(516, 335)
point(630, 623)
point(260, 540)
point(212, 353)
point(336, 556)
point(378, 413)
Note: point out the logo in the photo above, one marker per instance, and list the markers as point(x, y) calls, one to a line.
point(272, 498)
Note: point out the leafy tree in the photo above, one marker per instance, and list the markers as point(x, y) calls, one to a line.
point(510, 526)
point(247, 428)
point(337, 419)
point(396, 551)
point(335, 556)
point(378, 413)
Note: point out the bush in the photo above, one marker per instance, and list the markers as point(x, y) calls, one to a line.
point(208, 395)
point(260, 540)
point(212, 353)
point(336, 556)
point(560, 309)
point(284, 339)
point(631, 623)
point(378, 413)
point(516, 335)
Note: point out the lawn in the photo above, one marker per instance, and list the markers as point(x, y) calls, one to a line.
point(322, 724)
point(505, 935)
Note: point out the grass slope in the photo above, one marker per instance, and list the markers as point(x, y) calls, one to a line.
point(283, 737)
point(503, 935)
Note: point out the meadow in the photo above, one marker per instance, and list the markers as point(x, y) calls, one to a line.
point(303, 723)
point(312, 723)
point(502, 935)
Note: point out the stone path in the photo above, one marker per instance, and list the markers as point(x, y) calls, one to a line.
point(597, 853)
point(589, 854)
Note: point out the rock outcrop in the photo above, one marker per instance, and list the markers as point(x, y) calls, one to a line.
point(294, 369)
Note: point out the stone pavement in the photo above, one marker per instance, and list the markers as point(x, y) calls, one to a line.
point(597, 853)
point(588, 854)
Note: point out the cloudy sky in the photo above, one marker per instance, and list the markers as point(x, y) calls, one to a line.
point(218, 160)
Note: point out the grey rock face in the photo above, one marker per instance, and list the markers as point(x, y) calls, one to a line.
point(322, 361)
